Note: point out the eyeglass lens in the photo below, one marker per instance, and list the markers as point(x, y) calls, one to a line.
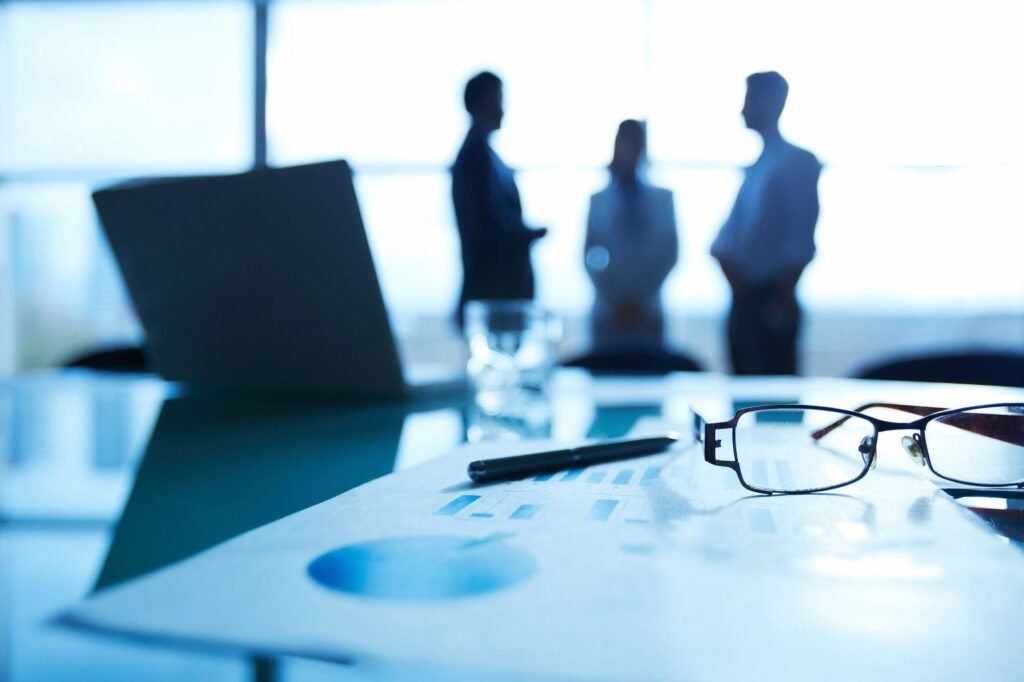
point(776, 452)
point(981, 446)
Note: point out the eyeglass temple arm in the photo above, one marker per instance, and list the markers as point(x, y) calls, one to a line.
point(1006, 428)
point(919, 410)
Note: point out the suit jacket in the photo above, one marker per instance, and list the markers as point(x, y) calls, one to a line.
point(631, 246)
point(495, 242)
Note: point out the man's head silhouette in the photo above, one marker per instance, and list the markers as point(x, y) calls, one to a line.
point(630, 141)
point(483, 100)
point(766, 98)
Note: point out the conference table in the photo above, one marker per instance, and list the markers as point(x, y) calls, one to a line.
point(106, 478)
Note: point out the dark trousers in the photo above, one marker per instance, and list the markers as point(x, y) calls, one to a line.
point(762, 334)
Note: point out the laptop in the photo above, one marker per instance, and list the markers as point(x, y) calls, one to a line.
point(259, 281)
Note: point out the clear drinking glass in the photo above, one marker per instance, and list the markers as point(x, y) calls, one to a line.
point(512, 350)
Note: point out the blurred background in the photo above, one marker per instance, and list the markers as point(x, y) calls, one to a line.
point(914, 108)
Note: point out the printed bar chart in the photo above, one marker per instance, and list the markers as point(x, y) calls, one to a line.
point(650, 475)
point(457, 505)
point(596, 493)
point(525, 511)
point(602, 510)
point(623, 477)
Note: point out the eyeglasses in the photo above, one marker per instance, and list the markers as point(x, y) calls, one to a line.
point(808, 448)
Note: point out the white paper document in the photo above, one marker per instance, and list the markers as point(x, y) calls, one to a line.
point(658, 568)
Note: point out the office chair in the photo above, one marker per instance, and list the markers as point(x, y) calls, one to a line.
point(993, 368)
point(126, 359)
point(635, 361)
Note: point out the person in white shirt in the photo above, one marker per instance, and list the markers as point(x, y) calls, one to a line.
point(631, 247)
point(768, 239)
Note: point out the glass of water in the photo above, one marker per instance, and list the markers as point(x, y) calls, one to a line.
point(512, 350)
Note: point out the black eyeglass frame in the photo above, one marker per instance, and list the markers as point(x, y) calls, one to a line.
point(705, 433)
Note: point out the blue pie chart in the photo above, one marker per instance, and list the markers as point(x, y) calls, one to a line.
point(423, 568)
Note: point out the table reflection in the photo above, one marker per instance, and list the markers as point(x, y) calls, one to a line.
point(68, 448)
point(218, 466)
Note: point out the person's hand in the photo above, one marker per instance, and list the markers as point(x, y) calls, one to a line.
point(626, 314)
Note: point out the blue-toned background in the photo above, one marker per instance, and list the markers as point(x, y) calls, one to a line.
point(913, 107)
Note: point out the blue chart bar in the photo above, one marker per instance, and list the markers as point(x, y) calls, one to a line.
point(760, 471)
point(524, 511)
point(622, 478)
point(482, 515)
point(572, 474)
point(650, 475)
point(601, 510)
point(457, 505)
point(596, 477)
point(785, 474)
point(545, 477)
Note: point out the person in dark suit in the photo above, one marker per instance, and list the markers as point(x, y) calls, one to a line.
point(495, 242)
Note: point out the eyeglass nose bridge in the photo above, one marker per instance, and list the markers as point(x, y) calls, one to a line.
point(912, 445)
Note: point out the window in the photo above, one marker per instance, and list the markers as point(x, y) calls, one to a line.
point(380, 83)
point(131, 87)
point(918, 144)
point(91, 92)
point(911, 106)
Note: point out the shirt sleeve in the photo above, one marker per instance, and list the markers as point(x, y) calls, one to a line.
point(791, 213)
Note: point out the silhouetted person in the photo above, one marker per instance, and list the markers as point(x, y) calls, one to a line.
point(631, 247)
point(768, 239)
point(495, 242)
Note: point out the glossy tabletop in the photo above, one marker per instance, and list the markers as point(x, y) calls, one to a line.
point(105, 478)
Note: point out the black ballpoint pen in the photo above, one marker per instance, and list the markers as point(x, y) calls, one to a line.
point(521, 466)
